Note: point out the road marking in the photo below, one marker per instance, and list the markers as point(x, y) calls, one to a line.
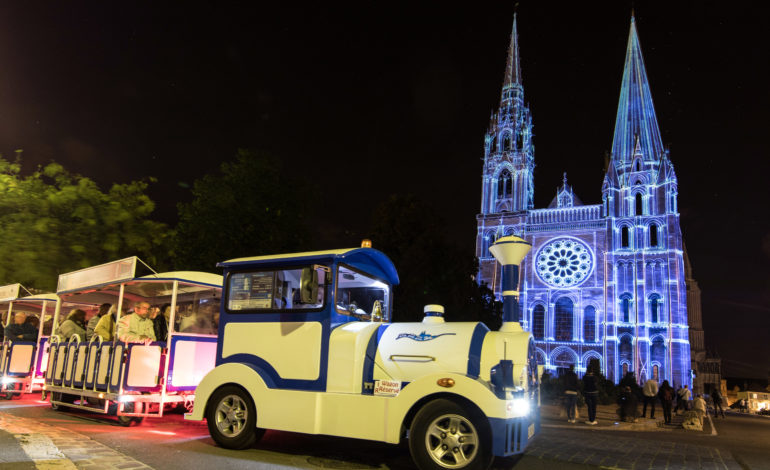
point(713, 429)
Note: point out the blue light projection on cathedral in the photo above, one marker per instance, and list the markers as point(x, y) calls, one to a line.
point(604, 281)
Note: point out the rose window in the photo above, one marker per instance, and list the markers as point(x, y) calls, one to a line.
point(564, 262)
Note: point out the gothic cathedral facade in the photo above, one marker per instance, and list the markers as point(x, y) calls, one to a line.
point(602, 281)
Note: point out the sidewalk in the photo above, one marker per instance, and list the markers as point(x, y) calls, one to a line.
point(608, 419)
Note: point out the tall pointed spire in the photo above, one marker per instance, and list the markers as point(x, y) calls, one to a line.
point(636, 122)
point(512, 67)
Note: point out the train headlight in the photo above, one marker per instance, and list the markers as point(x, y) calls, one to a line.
point(518, 407)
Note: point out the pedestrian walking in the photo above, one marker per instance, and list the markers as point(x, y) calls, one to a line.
point(717, 397)
point(686, 397)
point(570, 392)
point(666, 395)
point(591, 394)
point(650, 394)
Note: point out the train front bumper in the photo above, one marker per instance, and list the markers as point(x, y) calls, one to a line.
point(512, 435)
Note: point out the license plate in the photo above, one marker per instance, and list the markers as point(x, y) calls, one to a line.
point(530, 431)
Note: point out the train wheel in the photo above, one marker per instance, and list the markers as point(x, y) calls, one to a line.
point(129, 420)
point(232, 418)
point(55, 396)
point(445, 435)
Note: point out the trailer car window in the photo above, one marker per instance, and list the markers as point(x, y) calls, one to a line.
point(274, 290)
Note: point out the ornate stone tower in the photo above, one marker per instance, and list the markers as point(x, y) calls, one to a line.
point(509, 156)
point(647, 320)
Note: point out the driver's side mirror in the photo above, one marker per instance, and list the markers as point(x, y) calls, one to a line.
point(308, 286)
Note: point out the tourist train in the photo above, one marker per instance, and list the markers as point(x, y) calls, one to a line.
point(297, 342)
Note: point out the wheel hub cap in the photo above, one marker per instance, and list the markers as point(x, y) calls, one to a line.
point(452, 441)
point(231, 415)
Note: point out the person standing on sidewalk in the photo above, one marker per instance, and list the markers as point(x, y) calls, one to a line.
point(591, 393)
point(685, 396)
point(570, 392)
point(650, 392)
point(666, 395)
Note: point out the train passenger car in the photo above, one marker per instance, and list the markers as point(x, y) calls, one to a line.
point(306, 345)
point(124, 375)
point(23, 356)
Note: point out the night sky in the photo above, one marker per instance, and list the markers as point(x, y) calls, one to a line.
point(374, 100)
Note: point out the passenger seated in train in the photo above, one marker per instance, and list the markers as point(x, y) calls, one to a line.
point(20, 330)
point(203, 321)
point(103, 310)
point(137, 327)
point(74, 325)
point(160, 322)
point(105, 329)
point(185, 318)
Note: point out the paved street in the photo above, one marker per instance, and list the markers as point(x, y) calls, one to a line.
point(32, 436)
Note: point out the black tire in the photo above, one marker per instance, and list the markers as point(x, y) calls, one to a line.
point(130, 407)
point(55, 396)
point(232, 418)
point(11, 390)
point(127, 421)
point(448, 436)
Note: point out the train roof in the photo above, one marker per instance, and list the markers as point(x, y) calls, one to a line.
point(366, 259)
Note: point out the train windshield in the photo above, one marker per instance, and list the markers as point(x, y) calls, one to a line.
point(360, 295)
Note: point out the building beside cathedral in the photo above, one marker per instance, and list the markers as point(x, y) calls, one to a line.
point(604, 281)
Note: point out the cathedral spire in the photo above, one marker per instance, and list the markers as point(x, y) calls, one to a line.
point(513, 67)
point(636, 124)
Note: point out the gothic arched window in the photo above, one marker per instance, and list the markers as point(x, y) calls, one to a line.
point(504, 184)
point(506, 142)
point(624, 237)
point(653, 235)
point(563, 319)
point(658, 350)
point(563, 360)
point(639, 206)
point(625, 307)
point(654, 308)
point(538, 322)
point(589, 324)
point(625, 350)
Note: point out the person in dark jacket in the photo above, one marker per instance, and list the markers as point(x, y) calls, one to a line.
point(628, 405)
point(20, 330)
point(160, 322)
point(666, 394)
point(591, 393)
point(717, 397)
point(570, 392)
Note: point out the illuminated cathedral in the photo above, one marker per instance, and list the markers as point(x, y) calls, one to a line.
point(602, 281)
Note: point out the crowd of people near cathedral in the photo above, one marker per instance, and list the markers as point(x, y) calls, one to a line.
point(142, 323)
point(628, 401)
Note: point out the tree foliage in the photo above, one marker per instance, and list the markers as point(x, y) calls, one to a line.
point(53, 222)
point(431, 269)
point(251, 207)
